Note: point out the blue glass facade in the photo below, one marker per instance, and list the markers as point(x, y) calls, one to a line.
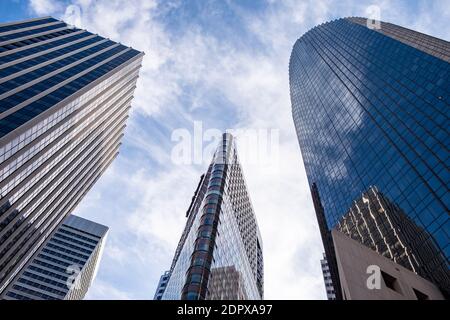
point(65, 94)
point(16, 26)
point(371, 108)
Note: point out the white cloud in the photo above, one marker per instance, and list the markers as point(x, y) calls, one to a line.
point(44, 7)
point(102, 290)
point(145, 208)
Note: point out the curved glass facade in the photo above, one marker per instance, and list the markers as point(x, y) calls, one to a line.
point(219, 256)
point(371, 111)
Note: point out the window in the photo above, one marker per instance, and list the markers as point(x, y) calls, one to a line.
point(391, 282)
point(420, 295)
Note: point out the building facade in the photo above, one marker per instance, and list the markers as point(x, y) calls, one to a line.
point(371, 108)
point(65, 266)
point(366, 275)
point(329, 288)
point(162, 284)
point(64, 100)
point(219, 255)
point(383, 226)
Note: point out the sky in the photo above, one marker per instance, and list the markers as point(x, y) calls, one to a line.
point(224, 65)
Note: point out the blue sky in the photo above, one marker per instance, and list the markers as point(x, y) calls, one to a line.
point(224, 63)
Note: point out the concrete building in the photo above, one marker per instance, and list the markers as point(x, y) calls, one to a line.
point(359, 267)
point(380, 224)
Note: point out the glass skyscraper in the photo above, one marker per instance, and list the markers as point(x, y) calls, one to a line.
point(64, 100)
point(219, 255)
point(65, 266)
point(371, 111)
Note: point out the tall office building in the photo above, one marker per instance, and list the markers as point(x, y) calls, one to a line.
point(162, 284)
point(329, 288)
point(219, 255)
point(64, 99)
point(371, 108)
point(65, 266)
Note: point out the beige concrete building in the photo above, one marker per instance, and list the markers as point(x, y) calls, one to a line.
point(366, 275)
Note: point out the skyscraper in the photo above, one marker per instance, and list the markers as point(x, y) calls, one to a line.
point(371, 108)
point(331, 295)
point(162, 284)
point(65, 266)
point(64, 99)
point(219, 255)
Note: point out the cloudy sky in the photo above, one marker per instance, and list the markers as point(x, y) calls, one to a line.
point(224, 64)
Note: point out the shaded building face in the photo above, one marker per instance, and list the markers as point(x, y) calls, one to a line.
point(381, 225)
point(219, 255)
point(371, 108)
point(64, 100)
point(64, 268)
point(390, 281)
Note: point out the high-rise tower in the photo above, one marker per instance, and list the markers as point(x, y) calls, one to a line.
point(371, 108)
point(162, 284)
point(65, 266)
point(219, 255)
point(64, 99)
point(327, 279)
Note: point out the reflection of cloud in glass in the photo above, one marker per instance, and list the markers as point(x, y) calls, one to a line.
point(369, 108)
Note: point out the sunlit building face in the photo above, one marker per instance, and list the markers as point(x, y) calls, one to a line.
point(219, 256)
point(64, 100)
